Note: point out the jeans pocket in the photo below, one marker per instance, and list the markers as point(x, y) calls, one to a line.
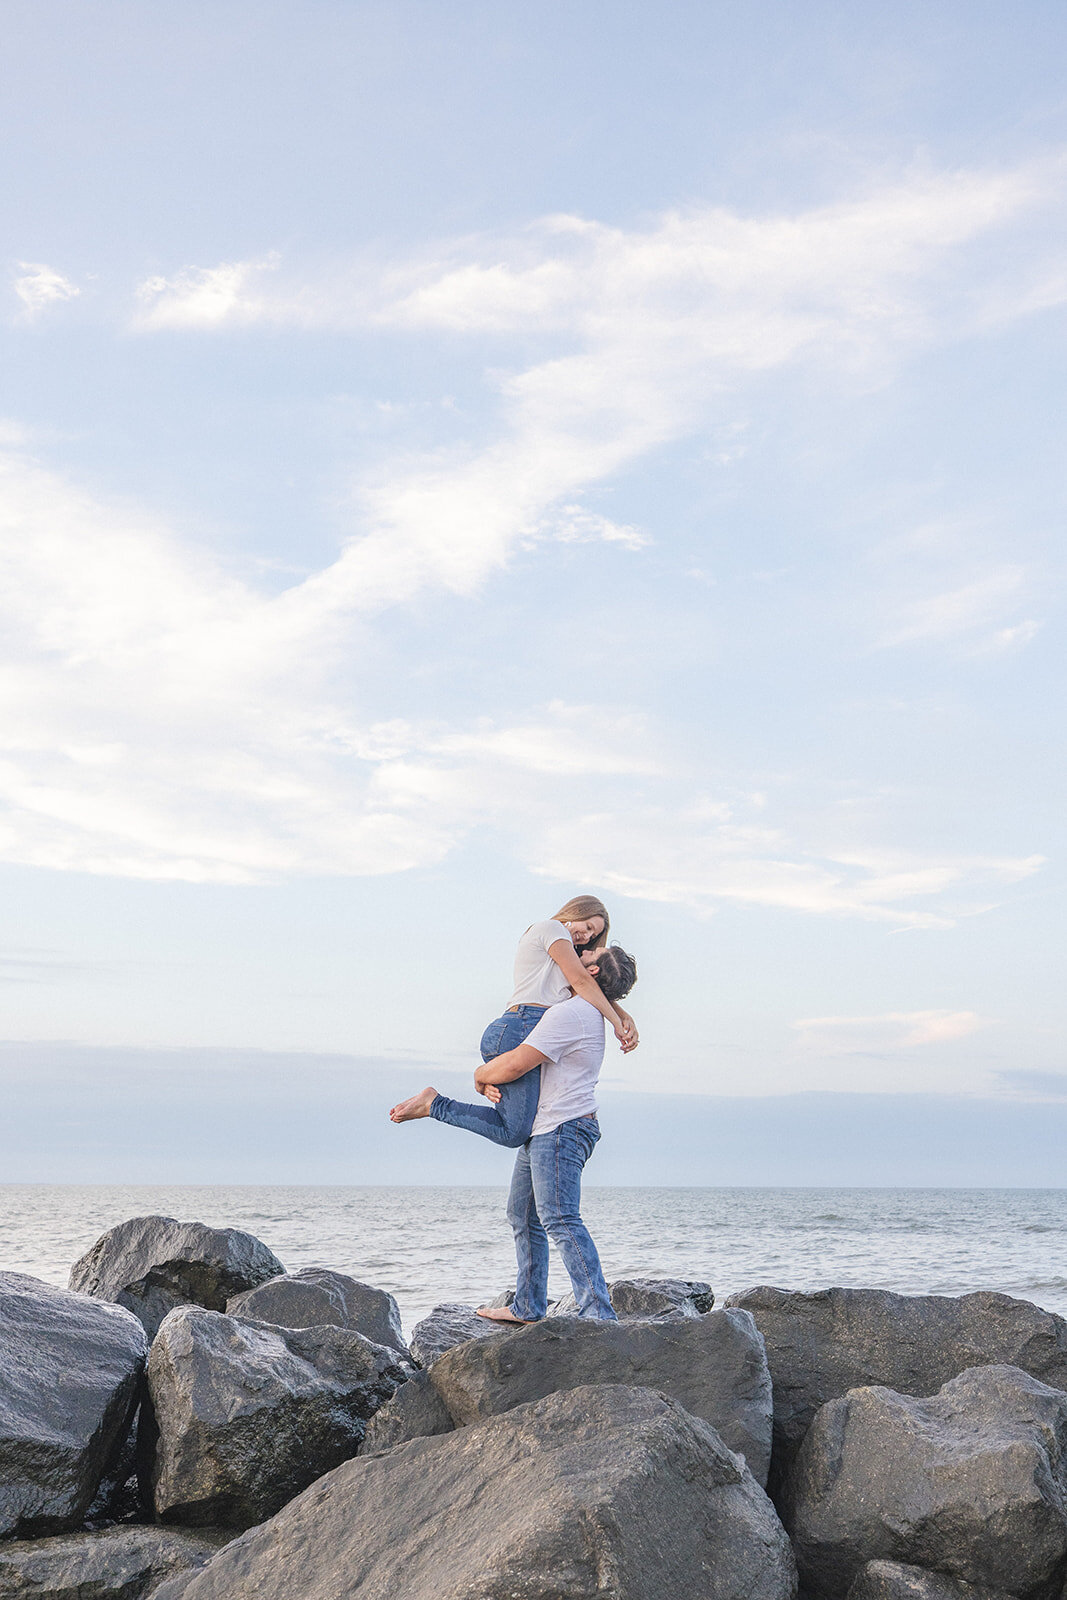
point(493, 1039)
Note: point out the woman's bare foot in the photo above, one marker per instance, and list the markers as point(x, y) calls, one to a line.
point(418, 1106)
point(502, 1314)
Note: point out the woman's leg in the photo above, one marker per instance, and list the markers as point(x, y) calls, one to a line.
point(556, 1162)
point(508, 1123)
point(531, 1245)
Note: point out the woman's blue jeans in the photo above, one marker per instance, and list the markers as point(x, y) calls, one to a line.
point(546, 1193)
point(508, 1123)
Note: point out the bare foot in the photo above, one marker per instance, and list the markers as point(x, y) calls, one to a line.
point(502, 1314)
point(418, 1106)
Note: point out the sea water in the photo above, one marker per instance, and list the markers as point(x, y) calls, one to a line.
point(429, 1245)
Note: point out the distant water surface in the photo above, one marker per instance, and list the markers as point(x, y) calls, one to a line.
point(426, 1245)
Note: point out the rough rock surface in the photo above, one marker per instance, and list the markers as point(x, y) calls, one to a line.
point(445, 1327)
point(69, 1375)
point(416, 1411)
point(891, 1580)
point(712, 1365)
point(248, 1414)
point(649, 1297)
point(315, 1297)
point(971, 1483)
point(602, 1491)
point(152, 1264)
point(821, 1345)
point(111, 1564)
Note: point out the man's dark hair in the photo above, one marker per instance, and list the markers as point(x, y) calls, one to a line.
point(616, 972)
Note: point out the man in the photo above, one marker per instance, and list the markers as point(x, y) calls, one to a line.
point(546, 1186)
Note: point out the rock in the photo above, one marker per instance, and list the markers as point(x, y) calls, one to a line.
point(152, 1264)
point(248, 1414)
point(444, 1328)
point(603, 1491)
point(70, 1371)
point(110, 1564)
point(416, 1411)
point(649, 1297)
point(890, 1580)
point(713, 1365)
point(971, 1483)
point(315, 1297)
point(821, 1345)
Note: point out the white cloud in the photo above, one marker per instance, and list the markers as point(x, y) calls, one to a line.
point(973, 612)
point(40, 286)
point(648, 329)
point(160, 718)
point(888, 1032)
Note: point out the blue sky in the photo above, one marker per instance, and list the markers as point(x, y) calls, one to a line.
point(457, 456)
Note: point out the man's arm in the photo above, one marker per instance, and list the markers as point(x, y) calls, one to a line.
point(506, 1068)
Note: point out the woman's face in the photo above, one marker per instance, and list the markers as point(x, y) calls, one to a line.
point(588, 928)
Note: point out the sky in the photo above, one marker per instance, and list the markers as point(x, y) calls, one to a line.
point(451, 458)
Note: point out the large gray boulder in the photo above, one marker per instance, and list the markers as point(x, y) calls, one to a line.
point(650, 1297)
point(416, 1411)
point(152, 1264)
point(70, 1370)
point(315, 1297)
point(248, 1415)
point(447, 1326)
point(892, 1580)
point(712, 1365)
point(610, 1492)
point(971, 1483)
point(110, 1564)
point(821, 1345)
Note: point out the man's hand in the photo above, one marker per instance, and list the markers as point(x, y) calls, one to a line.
point(492, 1094)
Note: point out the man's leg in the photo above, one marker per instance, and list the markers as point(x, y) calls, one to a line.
point(531, 1244)
point(556, 1162)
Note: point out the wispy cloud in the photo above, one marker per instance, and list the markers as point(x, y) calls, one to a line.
point(983, 612)
point(206, 297)
point(888, 1032)
point(39, 286)
point(1033, 1085)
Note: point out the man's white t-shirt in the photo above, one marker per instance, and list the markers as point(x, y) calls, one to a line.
point(538, 980)
point(571, 1035)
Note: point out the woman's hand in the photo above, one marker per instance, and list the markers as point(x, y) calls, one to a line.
point(627, 1035)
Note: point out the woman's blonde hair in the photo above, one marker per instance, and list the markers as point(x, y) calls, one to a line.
point(578, 910)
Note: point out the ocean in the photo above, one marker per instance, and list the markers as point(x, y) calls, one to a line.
point(427, 1245)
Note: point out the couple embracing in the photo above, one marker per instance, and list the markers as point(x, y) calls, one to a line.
point(541, 1061)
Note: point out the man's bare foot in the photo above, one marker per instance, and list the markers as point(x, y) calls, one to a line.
point(418, 1106)
point(502, 1314)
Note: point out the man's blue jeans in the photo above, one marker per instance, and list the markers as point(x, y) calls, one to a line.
point(546, 1192)
point(509, 1122)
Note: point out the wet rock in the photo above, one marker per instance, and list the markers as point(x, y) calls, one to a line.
point(821, 1345)
point(604, 1491)
point(445, 1327)
point(416, 1411)
point(971, 1483)
point(152, 1264)
point(649, 1297)
point(248, 1414)
point(70, 1371)
point(891, 1580)
point(110, 1564)
point(315, 1297)
point(713, 1365)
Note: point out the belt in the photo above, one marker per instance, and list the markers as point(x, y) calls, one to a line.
point(527, 1006)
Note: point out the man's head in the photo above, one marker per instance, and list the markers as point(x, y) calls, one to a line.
point(613, 969)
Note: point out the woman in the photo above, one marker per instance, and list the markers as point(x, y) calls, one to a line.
point(548, 969)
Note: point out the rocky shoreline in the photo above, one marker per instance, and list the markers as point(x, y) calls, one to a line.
point(188, 1421)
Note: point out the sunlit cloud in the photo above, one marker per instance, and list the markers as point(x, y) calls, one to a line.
point(890, 1031)
point(39, 286)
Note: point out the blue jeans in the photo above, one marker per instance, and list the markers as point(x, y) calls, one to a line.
point(508, 1123)
point(546, 1191)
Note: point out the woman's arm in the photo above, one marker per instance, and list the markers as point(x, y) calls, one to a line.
point(565, 956)
point(630, 1024)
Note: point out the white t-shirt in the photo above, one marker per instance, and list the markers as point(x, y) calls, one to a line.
point(538, 981)
point(571, 1035)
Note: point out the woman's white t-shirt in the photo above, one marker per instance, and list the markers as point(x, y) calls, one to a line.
point(538, 980)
